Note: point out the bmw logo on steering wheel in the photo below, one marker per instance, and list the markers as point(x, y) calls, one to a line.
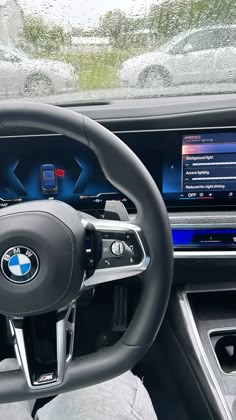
point(19, 264)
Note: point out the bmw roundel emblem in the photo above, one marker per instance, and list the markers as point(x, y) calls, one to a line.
point(19, 264)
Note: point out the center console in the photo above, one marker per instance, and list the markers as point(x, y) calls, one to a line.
point(204, 320)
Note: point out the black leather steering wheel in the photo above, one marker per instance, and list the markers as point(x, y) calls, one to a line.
point(57, 274)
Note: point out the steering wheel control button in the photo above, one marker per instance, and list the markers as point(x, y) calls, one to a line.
point(117, 248)
point(19, 264)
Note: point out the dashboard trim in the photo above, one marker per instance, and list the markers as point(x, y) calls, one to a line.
point(190, 253)
point(31, 135)
point(153, 130)
point(204, 254)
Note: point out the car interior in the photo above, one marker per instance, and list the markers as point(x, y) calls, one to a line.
point(118, 243)
point(189, 366)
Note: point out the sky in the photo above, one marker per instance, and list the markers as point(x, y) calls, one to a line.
point(83, 12)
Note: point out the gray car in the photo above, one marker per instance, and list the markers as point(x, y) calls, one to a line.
point(25, 76)
point(202, 55)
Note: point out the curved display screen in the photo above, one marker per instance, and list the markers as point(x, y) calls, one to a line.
point(192, 168)
point(52, 168)
point(209, 164)
point(203, 172)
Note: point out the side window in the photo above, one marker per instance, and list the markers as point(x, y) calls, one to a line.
point(224, 37)
point(198, 41)
point(201, 41)
point(213, 39)
point(179, 47)
point(206, 40)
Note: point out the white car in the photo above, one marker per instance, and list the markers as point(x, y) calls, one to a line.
point(21, 75)
point(200, 55)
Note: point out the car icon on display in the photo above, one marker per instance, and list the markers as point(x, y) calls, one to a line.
point(49, 184)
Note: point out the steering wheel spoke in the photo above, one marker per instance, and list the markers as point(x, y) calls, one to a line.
point(40, 369)
point(115, 250)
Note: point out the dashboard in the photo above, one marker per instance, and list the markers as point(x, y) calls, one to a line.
point(37, 165)
point(194, 169)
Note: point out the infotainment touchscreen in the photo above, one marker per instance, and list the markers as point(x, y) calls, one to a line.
point(204, 171)
point(208, 164)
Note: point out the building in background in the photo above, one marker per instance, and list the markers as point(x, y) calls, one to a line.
point(11, 22)
point(92, 44)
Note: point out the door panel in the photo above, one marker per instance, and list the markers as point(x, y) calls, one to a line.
point(195, 58)
point(196, 67)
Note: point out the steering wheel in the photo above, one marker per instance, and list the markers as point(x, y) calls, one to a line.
point(61, 252)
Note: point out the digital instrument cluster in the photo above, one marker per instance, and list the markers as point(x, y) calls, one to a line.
point(53, 168)
point(192, 168)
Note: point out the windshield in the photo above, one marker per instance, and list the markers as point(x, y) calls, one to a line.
point(79, 51)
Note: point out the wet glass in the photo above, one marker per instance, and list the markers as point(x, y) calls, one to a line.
point(76, 51)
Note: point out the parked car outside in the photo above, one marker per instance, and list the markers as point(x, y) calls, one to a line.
point(197, 56)
point(25, 76)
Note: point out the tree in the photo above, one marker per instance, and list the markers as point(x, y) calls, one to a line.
point(34, 29)
point(43, 36)
point(114, 25)
point(172, 17)
point(76, 31)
